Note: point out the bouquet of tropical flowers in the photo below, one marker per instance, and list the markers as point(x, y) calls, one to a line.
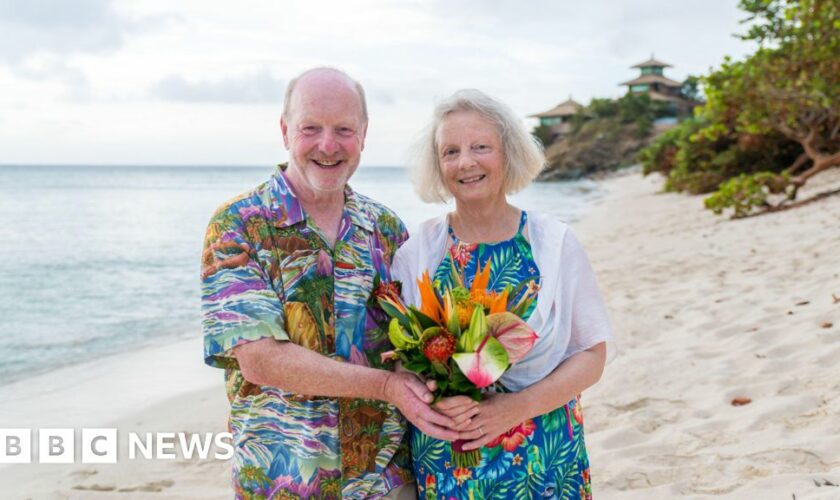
point(464, 339)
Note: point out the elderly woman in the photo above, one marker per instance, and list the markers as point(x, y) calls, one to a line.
point(529, 428)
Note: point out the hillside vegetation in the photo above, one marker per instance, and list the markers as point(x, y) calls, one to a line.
point(606, 135)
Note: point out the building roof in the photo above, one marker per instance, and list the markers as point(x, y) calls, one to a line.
point(652, 63)
point(653, 79)
point(567, 108)
point(657, 96)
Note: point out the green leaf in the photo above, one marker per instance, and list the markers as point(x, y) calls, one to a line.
point(393, 312)
point(398, 337)
point(439, 368)
point(453, 323)
point(475, 333)
point(429, 333)
point(417, 364)
point(425, 321)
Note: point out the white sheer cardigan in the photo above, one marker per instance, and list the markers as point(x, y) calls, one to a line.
point(570, 315)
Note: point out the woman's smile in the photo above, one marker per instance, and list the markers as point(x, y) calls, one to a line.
point(473, 179)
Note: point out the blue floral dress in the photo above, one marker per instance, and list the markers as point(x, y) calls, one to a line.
point(543, 457)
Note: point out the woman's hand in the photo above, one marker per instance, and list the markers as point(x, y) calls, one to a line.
point(495, 415)
point(461, 409)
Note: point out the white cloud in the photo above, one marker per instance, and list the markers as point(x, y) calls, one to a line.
point(58, 26)
point(258, 88)
point(70, 82)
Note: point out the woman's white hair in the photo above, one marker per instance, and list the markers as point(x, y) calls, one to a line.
point(524, 158)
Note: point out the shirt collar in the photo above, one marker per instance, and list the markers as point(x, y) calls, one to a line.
point(287, 209)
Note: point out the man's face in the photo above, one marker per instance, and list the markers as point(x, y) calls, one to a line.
point(325, 135)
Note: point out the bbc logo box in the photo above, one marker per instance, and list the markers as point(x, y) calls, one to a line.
point(57, 446)
point(15, 446)
point(99, 446)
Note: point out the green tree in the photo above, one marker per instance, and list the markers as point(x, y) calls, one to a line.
point(691, 89)
point(602, 108)
point(544, 134)
point(791, 85)
point(697, 160)
point(787, 92)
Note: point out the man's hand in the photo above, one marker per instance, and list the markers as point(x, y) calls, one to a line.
point(405, 391)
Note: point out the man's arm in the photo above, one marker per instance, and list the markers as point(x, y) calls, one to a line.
point(296, 369)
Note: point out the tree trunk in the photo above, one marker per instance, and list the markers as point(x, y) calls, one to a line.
point(798, 163)
point(821, 162)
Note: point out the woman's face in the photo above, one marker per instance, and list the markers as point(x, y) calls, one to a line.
point(472, 162)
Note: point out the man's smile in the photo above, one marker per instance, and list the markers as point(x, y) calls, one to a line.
point(327, 163)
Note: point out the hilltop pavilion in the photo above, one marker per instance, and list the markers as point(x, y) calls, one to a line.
point(653, 82)
point(558, 119)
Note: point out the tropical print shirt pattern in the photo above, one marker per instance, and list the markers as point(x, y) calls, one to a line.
point(267, 272)
point(543, 457)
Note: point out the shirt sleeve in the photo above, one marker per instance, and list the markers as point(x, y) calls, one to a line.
point(238, 302)
point(402, 232)
point(394, 234)
point(590, 324)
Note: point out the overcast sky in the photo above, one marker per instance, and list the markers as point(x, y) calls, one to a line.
point(201, 82)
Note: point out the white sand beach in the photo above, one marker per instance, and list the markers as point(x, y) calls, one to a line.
point(706, 310)
point(159, 389)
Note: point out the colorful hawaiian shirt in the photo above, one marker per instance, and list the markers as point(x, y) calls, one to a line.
point(267, 272)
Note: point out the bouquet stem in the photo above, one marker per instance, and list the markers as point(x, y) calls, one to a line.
point(462, 457)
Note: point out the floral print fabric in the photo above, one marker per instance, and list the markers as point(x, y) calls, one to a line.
point(544, 457)
point(511, 265)
point(267, 272)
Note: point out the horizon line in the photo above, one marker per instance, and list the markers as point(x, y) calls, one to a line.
point(162, 165)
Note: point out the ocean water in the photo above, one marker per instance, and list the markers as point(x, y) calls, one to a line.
point(99, 260)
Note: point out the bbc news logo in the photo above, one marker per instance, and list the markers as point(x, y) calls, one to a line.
point(100, 446)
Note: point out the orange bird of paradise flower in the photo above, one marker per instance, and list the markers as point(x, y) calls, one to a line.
point(495, 302)
point(429, 303)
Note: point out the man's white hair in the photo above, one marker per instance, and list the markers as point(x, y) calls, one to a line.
point(290, 89)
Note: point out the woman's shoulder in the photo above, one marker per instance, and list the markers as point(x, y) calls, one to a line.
point(546, 225)
point(426, 233)
point(427, 230)
point(417, 253)
point(433, 225)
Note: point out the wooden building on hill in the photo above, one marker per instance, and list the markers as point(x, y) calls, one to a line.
point(653, 82)
point(558, 119)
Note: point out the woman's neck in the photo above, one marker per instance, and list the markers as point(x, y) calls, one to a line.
point(486, 222)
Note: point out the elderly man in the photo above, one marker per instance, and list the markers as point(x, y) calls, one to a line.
point(287, 271)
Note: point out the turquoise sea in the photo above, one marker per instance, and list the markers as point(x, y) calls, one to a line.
point(99, 260)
